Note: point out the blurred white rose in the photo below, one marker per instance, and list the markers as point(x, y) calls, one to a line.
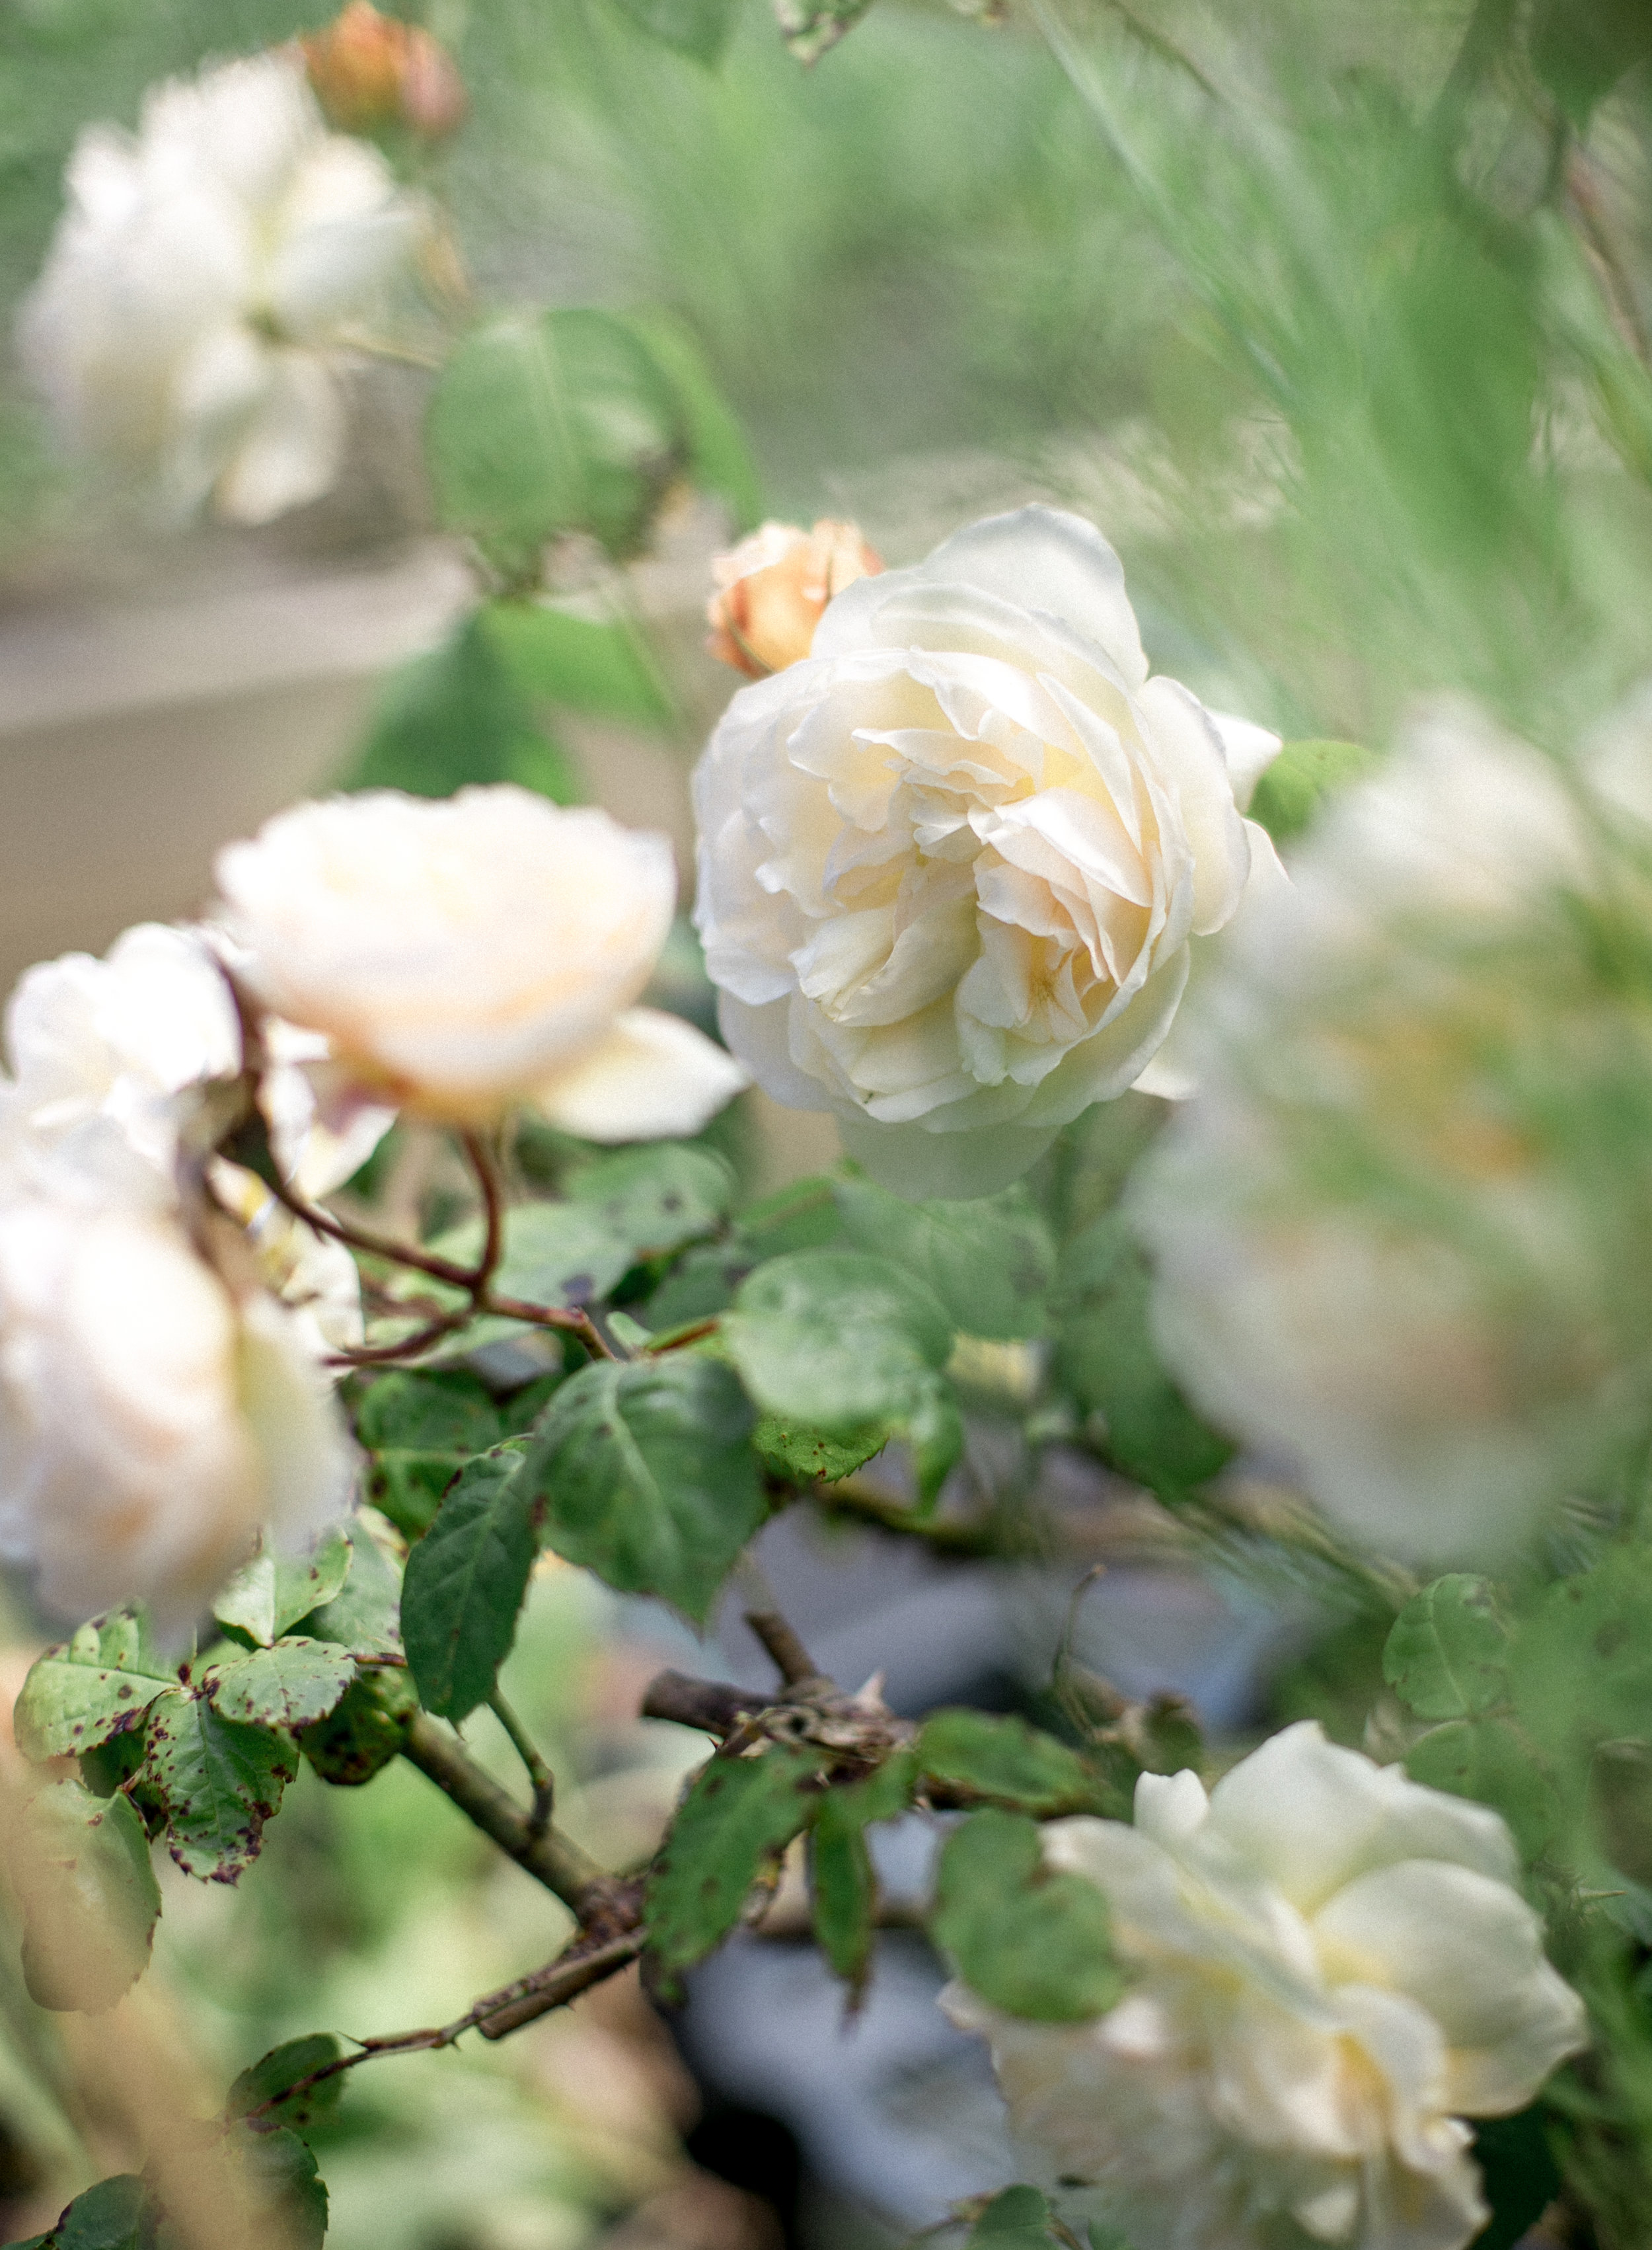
point(112, 1061)
point(1403, 1233)
point(150, 1424)
point(204, 281)
point(951, 863)
point(1330, 1967)
point(466, 955)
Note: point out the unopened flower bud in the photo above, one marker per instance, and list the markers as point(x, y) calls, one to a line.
point(368, 71)
point(772, 589)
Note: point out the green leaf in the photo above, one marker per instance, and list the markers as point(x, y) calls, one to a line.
point(719, 460)
point(699, 28)
point(658, 1199)
point(97, 1685)
point(801, 1455)
point(836, 1339)
point(292, 1685)
point(556, 1254)
point(219, 1783)
point(89, 1897)
point(739, 1813)
point(1292, 788)
point(1106, 1356)
point(421, 1429)
point(1030, 1941)
point(466, 1579)
point(1518, 2173)
point(366, 1730)
point(271, 1592)
point(458, 716)
point(545, 424)
point(363, 1616)
point(1006, 1761)
point(990, 1263)
point(1016, 2218)
point(115, 2215)
point(650, 1480)
point(1446, 1656)
point(1490, 1761)
point(599, 669)
point(842, 1882)
point(284, 2183)
point(270, 2079)
point(1580, 53)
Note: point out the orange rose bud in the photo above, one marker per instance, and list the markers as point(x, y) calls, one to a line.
point(368, 71)
point(773, 587)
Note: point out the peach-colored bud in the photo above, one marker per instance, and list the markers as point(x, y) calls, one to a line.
point(773, 587)
point(370, 71)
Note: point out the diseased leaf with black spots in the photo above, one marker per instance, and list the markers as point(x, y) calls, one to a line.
point(738, 1814)
point(265, 2086)
point(219, 1783)
point(97, 1685)
point(658, 1199)
point(271, 1593)
point(366, 1730)
point(292, 1685)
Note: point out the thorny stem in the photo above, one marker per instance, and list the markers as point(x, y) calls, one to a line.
point(494, 2015)
point(540, 1775)
point(792, 1660)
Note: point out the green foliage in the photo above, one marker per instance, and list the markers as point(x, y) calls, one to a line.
point(1446, 1655)
point(1580, 53)
point(554, 656)
point(545, 424)
point(467, 1577)
point(658, 1199)
point(719, 460)
point(274, 1591)
point(1519, 2174)
point(1489, 1760)
point(97, 1685)
point(836, 1339)
point(1583, 1673)
point(736, 1817)
point(116, 2214)
point(1016, 2218)
point(802, 1216)
point(363, 1732)
point(1030, 1941)
point(1106, 1356)
point(989, 1263)
point(648, 1479)
point(270, 2079)
point(363, 1616)
point(292, 1685)
point(699, 28)
point(1303, 775)
point(284, 2186)
point(218, 1781)
point(89, 1896)
point(801, 1455)
point(458, 716)
point(420, 1429)
point(1003, 1761)
point(840, 1879)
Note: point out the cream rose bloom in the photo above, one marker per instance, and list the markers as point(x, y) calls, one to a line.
point(151, 1425)
point(463, 956)
point(1403, 1234)
point(1331, 1969)
point(203, 286)
point(952, 865)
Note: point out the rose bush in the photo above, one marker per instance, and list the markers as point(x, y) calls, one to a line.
point(205, 281)
point(464, 954)
point(152, 1422)
point(1401, 1233)
point(1330, 1967)
point(952, 864)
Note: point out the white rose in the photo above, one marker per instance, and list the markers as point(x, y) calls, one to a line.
point(1401, 1240)
point(1330, 1967)
point(112, 1064)
point(466, 955)
point(204, 281)
point(150, 1424)
point(951, 863)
